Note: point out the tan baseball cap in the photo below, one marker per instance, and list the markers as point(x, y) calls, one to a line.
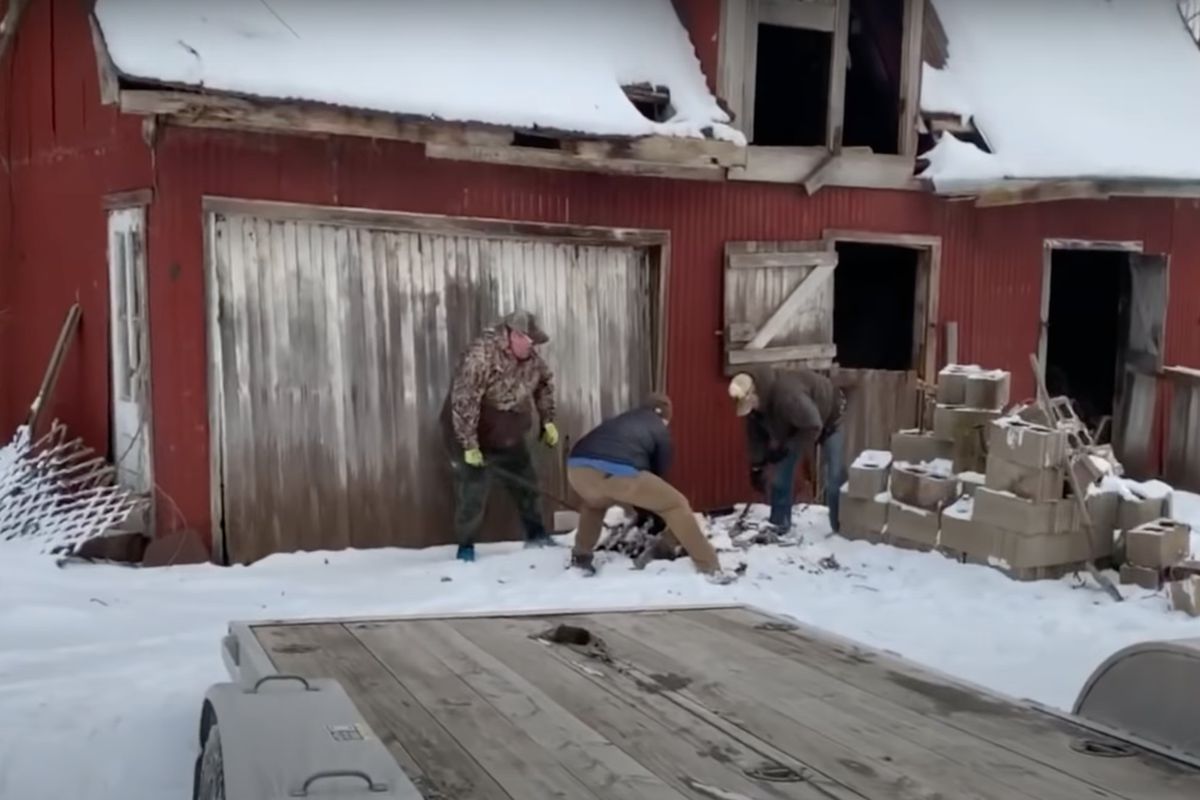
point(526, 322)
point(741, 389)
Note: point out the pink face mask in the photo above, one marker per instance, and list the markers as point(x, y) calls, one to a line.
point(520, 345)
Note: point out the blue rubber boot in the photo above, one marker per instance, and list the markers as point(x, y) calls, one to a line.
point(466, 552)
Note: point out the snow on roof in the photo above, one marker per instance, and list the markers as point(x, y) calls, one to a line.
point(552, 64)
point(1072, 89)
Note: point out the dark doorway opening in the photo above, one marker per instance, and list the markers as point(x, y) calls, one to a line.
point(791, 87)
point(873, 66)
point(1085, 334)
point(874, 299)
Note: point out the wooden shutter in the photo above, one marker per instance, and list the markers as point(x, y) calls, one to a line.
point(1144, 322)
point(779, 304)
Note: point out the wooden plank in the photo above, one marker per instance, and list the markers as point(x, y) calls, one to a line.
point(106, 71)
point(58, 356)
point(812, 258)
point(796, 302)
point(798, 14)
point(935, 757)
point(910, 75)
point(521, 766)
point(852, 168)
point(731, 59)
point(661, 734)
point(839, 57)
point(771, 355)
point(133, 198)
point(430, 756)
point(878, 403)
point(1040, 738)
point(435, 223)
point(556, 159)
point(584, 752)
point(735, 696)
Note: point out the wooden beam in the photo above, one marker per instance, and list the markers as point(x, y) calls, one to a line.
point(731, 58)
point(807, 14)
point(238, 113)
point(132, 199)
point(910, 75)
point(10, 23)
point(106, 71)
point(837, 78)
point(1044, 192)
point(854, 168)
point(50, 379)
point(557, 159)
point(767, 355)
point(782, 316)
point(812, 258)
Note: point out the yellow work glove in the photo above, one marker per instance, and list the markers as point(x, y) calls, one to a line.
point(550, 434)
point(474, 457)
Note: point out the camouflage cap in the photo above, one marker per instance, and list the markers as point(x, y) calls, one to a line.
point(526, 323)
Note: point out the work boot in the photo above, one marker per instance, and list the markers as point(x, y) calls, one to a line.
point(466, 552)
point(584, 562)
point(540, 540)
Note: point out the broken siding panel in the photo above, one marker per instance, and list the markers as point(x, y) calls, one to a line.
point(342, 354)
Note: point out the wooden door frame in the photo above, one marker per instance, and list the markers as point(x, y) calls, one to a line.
point(656, 242)
point(1049, 245)
point(928, 291)
point(139, 202)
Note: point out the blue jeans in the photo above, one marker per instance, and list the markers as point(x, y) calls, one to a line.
point(783, 477)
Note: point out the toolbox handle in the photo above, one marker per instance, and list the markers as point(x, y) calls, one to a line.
point(266, 678)
point(338, 773)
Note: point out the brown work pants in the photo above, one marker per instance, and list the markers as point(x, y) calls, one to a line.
point(644, 490)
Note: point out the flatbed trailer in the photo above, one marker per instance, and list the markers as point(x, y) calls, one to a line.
point(697, 703)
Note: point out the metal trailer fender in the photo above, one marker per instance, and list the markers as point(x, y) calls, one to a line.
point(1149, 692)
point(266, 735)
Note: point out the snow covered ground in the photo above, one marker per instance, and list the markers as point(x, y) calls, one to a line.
point(102, 668)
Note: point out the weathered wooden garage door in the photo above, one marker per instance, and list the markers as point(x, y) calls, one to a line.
point(333, 347)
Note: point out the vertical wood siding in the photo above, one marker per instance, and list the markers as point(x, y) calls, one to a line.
point(336, 345)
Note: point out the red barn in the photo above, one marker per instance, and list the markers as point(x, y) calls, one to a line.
point(283, 221)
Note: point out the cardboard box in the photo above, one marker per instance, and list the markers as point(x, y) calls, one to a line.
point(1145, 577)
point(1027, 444)
point(862, 518)
point(919, 448)
point(952, 384)
point(921, 487)
point(1138, 511)
point(1040, 484)
point(1185, 596)
point(913, 525)
point(988, 389)
point(1161, 543)
point(1008, 512)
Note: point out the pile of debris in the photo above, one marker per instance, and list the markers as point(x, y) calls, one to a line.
point(1024, 491)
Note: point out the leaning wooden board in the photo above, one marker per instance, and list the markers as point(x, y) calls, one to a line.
point(717, 704)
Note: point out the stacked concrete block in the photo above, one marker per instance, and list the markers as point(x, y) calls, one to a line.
point(1027, 444)
point(1039, 484)
point(912, 528)
point(971, 481)
point(916, 447)
point(1031, 540)
point(952, 383)
point(1185, 595)
point(923, 485)
point(1135, 510)
point(1152, 550)
point(988, 389)
point(864, 497)
point(1102, 510)
point(960, 536)
point(966, 431)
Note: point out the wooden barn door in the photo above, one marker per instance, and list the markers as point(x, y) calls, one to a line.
point(779, 304)
point(335, 341)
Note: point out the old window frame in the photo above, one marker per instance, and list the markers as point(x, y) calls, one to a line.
point(831, 164)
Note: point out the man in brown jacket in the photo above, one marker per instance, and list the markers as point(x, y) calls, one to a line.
point(787, 412)
point(487, 414)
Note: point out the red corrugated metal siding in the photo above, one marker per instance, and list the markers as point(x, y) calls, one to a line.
point(63, 161)
point(64, 151)
point(991, 279)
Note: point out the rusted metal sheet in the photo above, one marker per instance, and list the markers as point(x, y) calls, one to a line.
point(336, 345)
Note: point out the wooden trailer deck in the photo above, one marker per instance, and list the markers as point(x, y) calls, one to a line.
point(714, 704)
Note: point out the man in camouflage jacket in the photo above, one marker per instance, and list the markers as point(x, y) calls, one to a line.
point(488, 411)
